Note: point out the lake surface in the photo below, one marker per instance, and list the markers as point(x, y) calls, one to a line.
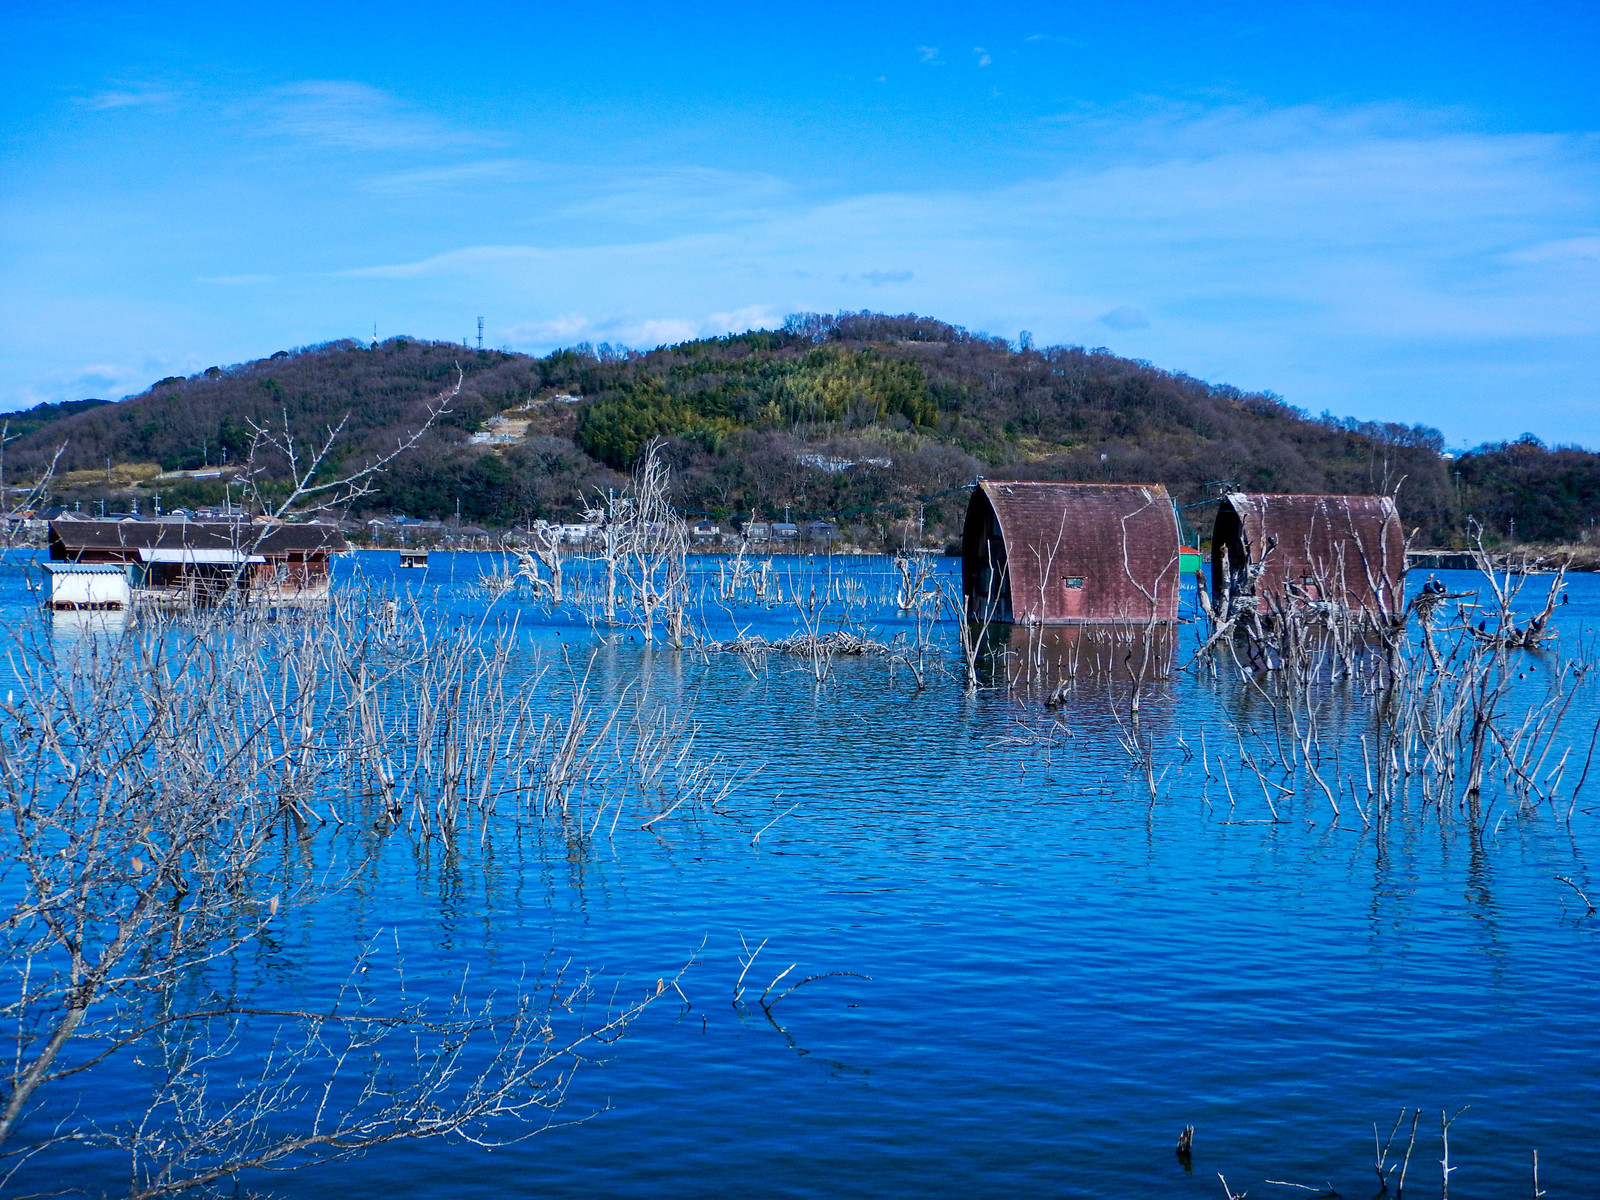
point(1053, 973)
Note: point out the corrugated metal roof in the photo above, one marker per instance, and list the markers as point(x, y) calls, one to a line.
point(189, 555)
point(1346, 550)
point(1078, 553)
point(71, 540)
point(72, 568)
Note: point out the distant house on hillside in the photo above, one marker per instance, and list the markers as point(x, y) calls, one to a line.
point(820, 531)
point(194, 563)
point(574, 533)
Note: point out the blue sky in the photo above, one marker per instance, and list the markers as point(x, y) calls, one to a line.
point(1387, 210)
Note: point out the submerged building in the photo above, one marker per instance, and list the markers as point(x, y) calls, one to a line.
point(76, 586)
point(1071, 554)
point(1280, 551)
point(196, 563)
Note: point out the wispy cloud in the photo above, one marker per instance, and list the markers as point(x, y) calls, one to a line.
point(460, 176)
point(469, 260)
point(929, 55)
point(1124, 317)
point(93, 380)
point(1340, 258)
point(349, 115)
point(1378, 261)
point(136, 97)
point(653, 195)
point(636, 330)
point(1578, 251)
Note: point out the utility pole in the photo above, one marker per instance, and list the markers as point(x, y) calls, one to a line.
point(5, 430)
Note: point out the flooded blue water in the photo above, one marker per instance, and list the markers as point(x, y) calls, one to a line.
point(1048, 973)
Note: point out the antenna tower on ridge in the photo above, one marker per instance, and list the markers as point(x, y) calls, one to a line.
point(480, 333)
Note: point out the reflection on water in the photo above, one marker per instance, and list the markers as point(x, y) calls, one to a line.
point(1054, 964)
point(72, 624)
point(1045, 660)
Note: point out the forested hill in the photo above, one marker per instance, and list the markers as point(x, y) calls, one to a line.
point(844, 416)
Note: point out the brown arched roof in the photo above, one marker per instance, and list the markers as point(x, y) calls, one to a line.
point(1084, 553)
point(1348, 550)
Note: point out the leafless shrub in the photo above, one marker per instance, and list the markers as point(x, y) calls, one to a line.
point(162, 793)
point(540, 548)
point(643, 545)
point(16, 511)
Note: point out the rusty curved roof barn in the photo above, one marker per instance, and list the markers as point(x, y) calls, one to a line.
point(1071, 553)
point(1346, 550)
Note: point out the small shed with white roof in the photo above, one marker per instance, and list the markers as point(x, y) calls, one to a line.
point(75, 586)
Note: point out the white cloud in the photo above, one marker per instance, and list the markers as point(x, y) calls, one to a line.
point(1564, 252)
point(565, 330)
point(1376, 261)
point(632, 329)
point(1338, 258)
point(138, 97)
point(93, 380)
point(1127, 316)
point(755, 316)
point(654, 195)
point(661, 331)
point(473, 260)
point(422, 181)
point(350, 115)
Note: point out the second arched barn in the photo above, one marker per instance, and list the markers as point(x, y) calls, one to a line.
point(1071, 554)
point(1280, 551)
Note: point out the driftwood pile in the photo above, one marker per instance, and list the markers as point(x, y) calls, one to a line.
point(802, 645)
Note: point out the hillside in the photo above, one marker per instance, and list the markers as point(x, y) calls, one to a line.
point(19, 424)
point(849, 416)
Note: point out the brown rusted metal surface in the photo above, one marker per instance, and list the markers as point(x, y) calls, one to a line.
point(1348, 551)
point(1071, 553)
point(1040, 661)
